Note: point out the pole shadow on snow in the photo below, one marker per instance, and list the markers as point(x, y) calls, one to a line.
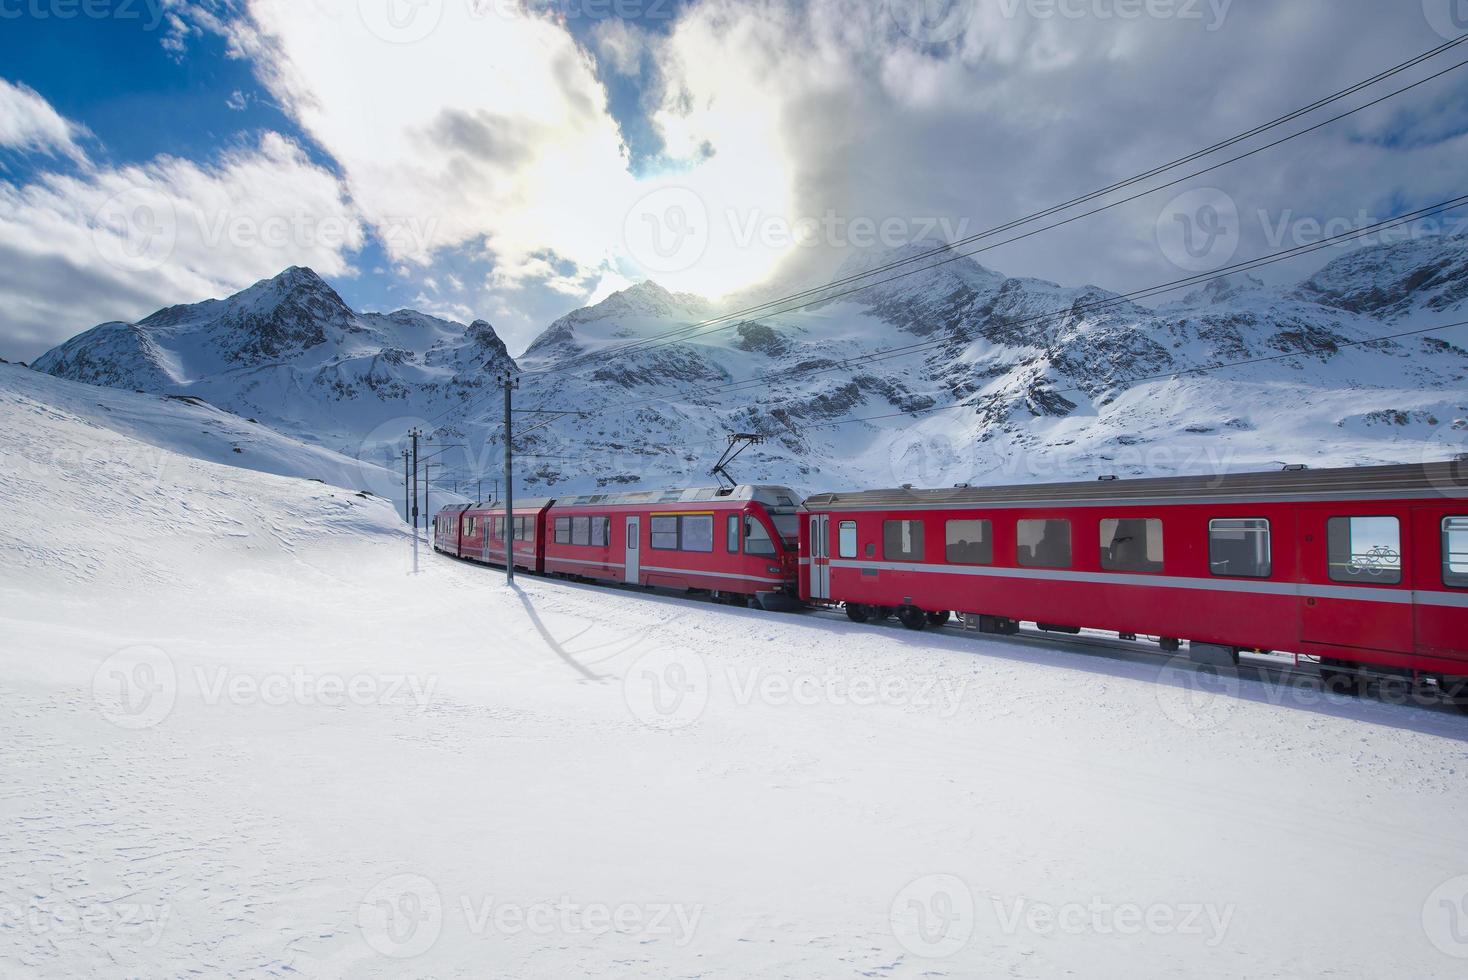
point(551, 641)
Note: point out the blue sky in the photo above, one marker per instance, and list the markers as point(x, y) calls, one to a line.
point(516, 160)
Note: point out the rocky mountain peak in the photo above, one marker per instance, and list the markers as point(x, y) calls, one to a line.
point(1392, 278)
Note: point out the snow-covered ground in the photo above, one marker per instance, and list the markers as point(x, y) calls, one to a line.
point(251, 728)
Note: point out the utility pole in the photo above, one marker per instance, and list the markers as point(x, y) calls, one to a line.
point(407, 501)
point(427, 491)
point(415, 434)
point(510, 385)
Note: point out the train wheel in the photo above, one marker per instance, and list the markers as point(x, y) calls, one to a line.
point(938, 618)
point(912, 617)
point(858, 613)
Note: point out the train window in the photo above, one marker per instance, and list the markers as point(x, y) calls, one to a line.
point(902, 540)
point(563, 530)
point(1131, 544)
point(1043, 544)
point(665, 533)
point(731, 534)
point(497, 528)
point(1365, 550)
point(581, 531)
point(1455, 552)
point(969, 542)
point(524, 529)
point(846, 539)
point(697, 533)
point(1240, 547)
point(601, 531)
point(756, 539)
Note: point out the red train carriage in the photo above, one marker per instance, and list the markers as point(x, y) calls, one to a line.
point(478, 533)
point(448, 529)
point(1359, 567)
point(737, 545)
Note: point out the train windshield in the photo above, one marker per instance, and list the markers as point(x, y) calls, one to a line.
point(787, 525)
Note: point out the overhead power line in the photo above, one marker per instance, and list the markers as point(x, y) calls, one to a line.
point(702, 328)
point(827, 297)
point(737, 315)
point(1093, 306)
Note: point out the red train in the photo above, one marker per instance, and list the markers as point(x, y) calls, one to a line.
point(738, 546)
point(1365, 568)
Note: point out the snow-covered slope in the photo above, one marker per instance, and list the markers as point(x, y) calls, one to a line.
point(161, 426)
point(989, 378)
point(249, 731)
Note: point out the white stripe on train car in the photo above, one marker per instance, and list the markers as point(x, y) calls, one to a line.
point(586, 561)
point(695, 571)
point(1358, 593)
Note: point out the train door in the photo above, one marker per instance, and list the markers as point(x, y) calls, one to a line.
point(1442, 548)
point(634, 536)
point(1364, 601)
point(820, 556)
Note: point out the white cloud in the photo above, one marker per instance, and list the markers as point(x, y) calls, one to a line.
point(1027, 105)
point(491, 127)
point(620, 45)
point(119, 243)
point(29, 123)
point(487, 125)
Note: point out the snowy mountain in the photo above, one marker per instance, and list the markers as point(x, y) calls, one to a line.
point(955, 374)
point(996, 379)
point(289, 352)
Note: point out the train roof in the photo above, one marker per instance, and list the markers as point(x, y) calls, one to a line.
point(1448, 479)
point(771, 495)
